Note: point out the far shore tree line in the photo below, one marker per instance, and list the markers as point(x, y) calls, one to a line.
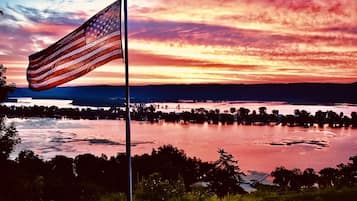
point(142, 112)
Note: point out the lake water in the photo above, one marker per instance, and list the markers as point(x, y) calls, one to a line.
point(259, 148)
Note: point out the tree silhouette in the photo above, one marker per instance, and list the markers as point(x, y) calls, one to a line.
point(32, 170)
point(353, 159)
point(309, 177)
point(288, 179)
point(225, 176)
point(60, 181)
point(328, 177)
point(345, 175)
point(8, 134)
point(8, 139)
point(282, 177)
point(354, 119)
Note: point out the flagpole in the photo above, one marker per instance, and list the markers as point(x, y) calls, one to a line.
point(127, 107)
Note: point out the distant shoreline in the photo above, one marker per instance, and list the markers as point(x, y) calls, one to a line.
point(149, 113)
point(107, 96)
point(83, 103)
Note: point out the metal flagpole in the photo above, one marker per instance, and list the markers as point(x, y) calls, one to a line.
point(127, 107)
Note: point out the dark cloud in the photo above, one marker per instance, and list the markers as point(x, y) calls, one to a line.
point(5, 15)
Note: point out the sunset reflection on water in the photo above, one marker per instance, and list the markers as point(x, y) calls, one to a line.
point(260, 148)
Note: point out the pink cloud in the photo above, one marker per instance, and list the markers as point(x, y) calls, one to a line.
point(48, 29)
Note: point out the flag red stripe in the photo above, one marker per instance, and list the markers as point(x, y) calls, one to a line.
point(72, 77)
point(72, 67)
point(35, 58)
point(81, 68)
point(33, 73)
point(40, 64)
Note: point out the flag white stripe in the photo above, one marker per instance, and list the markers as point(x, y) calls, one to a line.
point(78, 70)
point(48, 66)
point(74, 62)
point(69, 45)
point(60, 51)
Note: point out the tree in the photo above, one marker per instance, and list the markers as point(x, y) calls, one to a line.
point(295, 179)
point(8, 139)
point(354, 161)
point(262, 111)
point(328, 177)
point(281, 177)
point(225, 176)
point(309, 177)
point(156, 188)
point(354, 119)
point(8, 134)
point(32, 171)
point(345, 175)
point(4, 87)
point(233, 110)
point(354, 167)
point(30, 163)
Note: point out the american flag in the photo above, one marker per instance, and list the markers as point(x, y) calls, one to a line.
point(93, 44)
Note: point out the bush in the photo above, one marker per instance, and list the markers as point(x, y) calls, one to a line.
point(155, 188)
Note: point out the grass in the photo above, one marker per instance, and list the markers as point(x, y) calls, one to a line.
point(332, 194)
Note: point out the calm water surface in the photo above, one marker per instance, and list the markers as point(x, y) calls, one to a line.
point(260, 148)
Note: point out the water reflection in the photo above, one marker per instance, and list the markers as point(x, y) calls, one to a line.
point(260, 148)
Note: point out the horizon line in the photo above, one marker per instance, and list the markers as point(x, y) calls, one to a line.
point(203, 84)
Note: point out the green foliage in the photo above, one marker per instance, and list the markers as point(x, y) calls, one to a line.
point(8, 139)
point(156, 188)
point(171, 163)
point(331, 194)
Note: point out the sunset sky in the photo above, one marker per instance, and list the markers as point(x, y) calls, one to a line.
point(198, 41)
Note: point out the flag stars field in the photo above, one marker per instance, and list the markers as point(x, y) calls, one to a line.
point(235, 41)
